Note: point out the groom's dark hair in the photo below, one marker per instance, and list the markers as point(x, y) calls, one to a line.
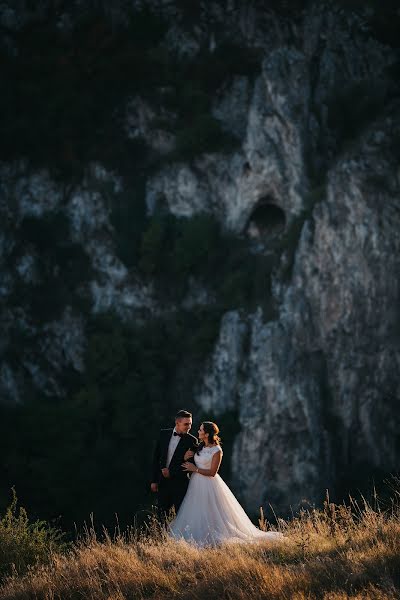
point(183, 414)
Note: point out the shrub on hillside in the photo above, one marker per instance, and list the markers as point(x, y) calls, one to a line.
point(23, 543)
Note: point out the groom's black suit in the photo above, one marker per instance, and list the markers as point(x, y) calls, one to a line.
point(171, 491)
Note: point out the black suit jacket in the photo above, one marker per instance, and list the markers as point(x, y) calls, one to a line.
point(187, 442)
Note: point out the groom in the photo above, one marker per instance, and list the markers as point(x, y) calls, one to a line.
point(169, 479)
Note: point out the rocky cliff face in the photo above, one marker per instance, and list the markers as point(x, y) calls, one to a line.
point(316, 389)
point(310, 178)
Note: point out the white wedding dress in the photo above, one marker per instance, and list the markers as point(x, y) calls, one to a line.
point(210, 513)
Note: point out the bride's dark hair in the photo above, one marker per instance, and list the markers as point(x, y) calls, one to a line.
point(213, 430)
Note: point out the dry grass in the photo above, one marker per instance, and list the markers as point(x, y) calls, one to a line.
point(337, 553)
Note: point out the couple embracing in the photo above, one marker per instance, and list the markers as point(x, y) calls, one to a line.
point(207, 513)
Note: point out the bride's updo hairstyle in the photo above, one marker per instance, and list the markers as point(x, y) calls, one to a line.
point(213, 430)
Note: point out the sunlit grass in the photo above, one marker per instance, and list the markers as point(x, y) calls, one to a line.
point(337, 552)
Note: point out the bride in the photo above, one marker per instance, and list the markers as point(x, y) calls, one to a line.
point(210, 513)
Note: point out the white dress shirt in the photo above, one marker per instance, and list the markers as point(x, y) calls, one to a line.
point(173, 442)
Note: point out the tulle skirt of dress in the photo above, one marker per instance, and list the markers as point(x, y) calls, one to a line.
point(211, 515)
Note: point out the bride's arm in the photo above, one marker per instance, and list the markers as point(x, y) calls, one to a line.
point(215, 463)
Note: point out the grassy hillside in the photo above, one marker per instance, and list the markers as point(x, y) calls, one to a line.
point(341, 551)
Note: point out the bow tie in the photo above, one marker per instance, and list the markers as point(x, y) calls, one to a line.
point(180, 434)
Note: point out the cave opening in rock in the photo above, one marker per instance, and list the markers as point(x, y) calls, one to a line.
point(266, 219)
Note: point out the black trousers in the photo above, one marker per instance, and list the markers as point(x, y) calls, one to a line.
point(171, 493)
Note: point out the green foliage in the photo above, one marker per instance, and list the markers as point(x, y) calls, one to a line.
point(381, 18)
point(128, 217)
point(146, 26)
point(153, 242)
point(61, 267)
point(59, 108)
point(203, 134)
point(170, 246)
point(197, 240)
point(353, 107)
point(208, 70)
point(175, 249)
point(62, 109)
point(107, 357)
point(246, 283)
point(45, 232)
point(395, 145)
point(384, 22)
point(101, 437)
point(23, 543)
point(232, 59)
point(197, 131)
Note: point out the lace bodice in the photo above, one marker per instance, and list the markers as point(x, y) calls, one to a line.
point(204, 458)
